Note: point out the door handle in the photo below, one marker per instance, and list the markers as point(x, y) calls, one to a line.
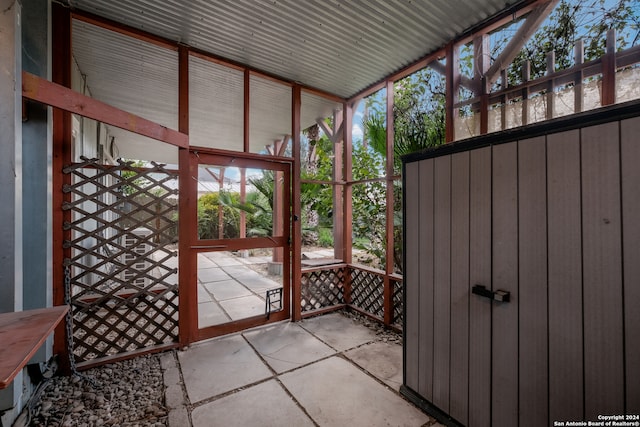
point(499, 295)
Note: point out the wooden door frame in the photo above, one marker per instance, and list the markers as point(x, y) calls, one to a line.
point(189, 243)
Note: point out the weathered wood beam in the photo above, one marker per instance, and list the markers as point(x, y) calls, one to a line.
point(465, 81)
point(525, 32)
point(296, 236)
point(334, 136)
point(283, 145)
point(55, 95)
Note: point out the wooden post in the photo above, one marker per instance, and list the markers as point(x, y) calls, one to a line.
point(339, 237)
point(389, 253)
point(296, 238)
point(243, 200)
point(452, 76)
point(481, 56)
point(504, 77)
point(62, 156)
point(187, 212)
point(578, 88)
point(551, 68)
point(278, 212)
point(609, 70)
point(526, 75)
point(247, 115)
point(347, 217)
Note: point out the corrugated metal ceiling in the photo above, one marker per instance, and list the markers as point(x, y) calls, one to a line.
point(339, 46)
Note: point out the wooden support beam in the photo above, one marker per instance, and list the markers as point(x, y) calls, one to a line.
point(451, 92)
point(609, 70)
point(283, 145)
point(526, 76)
point(347, 215)
point(55, 95)
point(62, 156)
point(187, 235)
point(247, 115)
point(339, 237)
point(522, 36)
point(334, 136)
point(551, 68)
point(389, 250)
point(481, 60)
point(243, 200)
point(183, 89)
point(220, 207)
point(296, 237)
point(578, 89)
point(278, 213)
point(463, 81)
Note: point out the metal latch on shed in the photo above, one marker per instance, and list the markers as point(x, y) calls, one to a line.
point(499, 295)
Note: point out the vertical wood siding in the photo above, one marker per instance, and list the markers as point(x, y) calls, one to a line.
point(630, 174)
point(504, 378)
point(480, 272)
point(459, 384)
point(564, 264)
point(425, 247)
point(532, 282)
point(554, 220)
point(602, 271)
point(442, 282)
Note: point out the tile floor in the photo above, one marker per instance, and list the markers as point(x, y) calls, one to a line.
point(324, 371)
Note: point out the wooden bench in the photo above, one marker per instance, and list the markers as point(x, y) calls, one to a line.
point(21, 335)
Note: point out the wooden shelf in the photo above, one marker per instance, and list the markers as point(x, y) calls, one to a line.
point(21, 334)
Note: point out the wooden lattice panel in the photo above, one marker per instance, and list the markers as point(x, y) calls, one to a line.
point(123, 268)
point(322, 288)
point(397, 302)
point(367, 291)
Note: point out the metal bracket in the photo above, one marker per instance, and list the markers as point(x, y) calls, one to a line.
point(269, 308)
point(499, 295)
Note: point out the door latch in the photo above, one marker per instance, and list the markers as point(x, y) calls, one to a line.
point(499, 295)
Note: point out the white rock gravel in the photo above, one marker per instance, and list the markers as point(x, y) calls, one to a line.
point(382, 334)
point(128, 393)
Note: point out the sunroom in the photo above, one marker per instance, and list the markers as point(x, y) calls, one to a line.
point(183, 172)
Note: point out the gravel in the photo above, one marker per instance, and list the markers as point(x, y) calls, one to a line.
point(382, 334)
point(128, 393)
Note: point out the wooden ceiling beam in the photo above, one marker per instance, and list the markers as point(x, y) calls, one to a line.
point(525, 32)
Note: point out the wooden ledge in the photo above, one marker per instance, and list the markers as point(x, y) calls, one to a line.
point(21, 334)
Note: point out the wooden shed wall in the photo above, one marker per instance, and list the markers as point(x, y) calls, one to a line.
point(553, 217)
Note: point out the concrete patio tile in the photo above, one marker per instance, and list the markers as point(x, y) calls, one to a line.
point(257, 259)
point(265, 404)
point(227, 289)
point(210, 313)
point(340, 332)
point(243, 307)
point(203, 295)
point(237, 271)
point(220, 365)
point(206, 275)
point(382, 360)
point(287, 346)
point(222, 259)
point(204, 262)
point(258, 284)
point(333, 392)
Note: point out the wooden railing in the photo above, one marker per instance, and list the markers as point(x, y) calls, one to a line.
point(361, 288)
point(602, 75)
